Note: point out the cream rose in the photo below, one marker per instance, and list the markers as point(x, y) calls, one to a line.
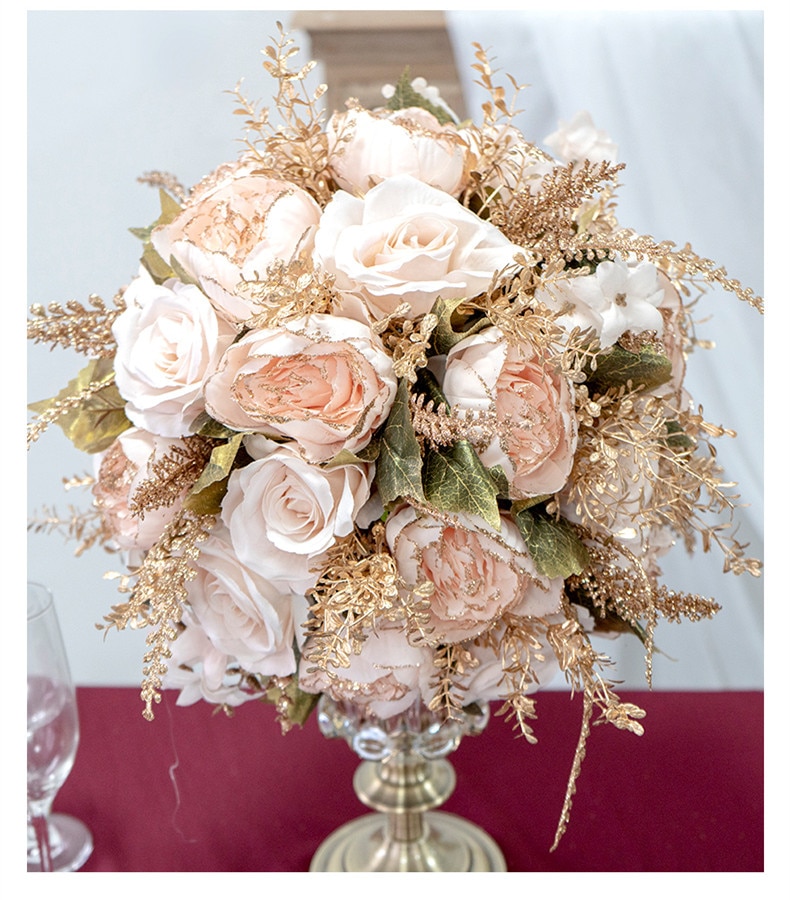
point(477, 575)
point(199, 671)
point(384, 679)
point(406, 241)
point(283, 514)
point(169, 339)
point(234, 231)
point(368, 146)
point(579, 139)
point(243, 615)
point(323, 381)
point(120, 470)
point(533, 404)
point(616, 298)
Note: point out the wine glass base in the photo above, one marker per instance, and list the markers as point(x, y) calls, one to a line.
point(449, 844)
point(72, 844)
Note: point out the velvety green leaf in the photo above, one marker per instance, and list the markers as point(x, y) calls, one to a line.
point(456, 481)
point(553, 544)
point(677, 439)
point(399, 466)
point(98, 420)
point(617, 366)
point(205, 426)
point(299, 705)
point(367, 454)
point(454, 325)
point(497, 475)
point(156, 267)
point(406, 97)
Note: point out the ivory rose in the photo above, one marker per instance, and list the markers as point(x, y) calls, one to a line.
point(120, 471)
point(580, 139)
point(323, 381)
point(384, 679)
point(407, 241)
point(533, 405)
point(368, 146)
point(242, 614)
point(168, 339)
point(614, 299)
point(199, 671)
point(283, 514)
point(477, 575)
point(234, 231)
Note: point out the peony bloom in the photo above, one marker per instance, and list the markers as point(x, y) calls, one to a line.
point(406, 241)
point(477, 576)
point(325, 382)
point(169, 339)
point(200, 671)
point(283, 514)
point(614, 299)
point(535, 420)
point(243, 615)
point(384, 679)
point(367, 147)
point(233, 231)
point(120, 471)
point(579, 139)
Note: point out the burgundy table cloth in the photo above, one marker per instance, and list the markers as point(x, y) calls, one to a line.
point(198, 791)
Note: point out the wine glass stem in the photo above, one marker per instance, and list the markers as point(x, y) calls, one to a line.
point(40, 823)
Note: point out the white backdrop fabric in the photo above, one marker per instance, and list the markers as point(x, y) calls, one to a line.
point(114, 94)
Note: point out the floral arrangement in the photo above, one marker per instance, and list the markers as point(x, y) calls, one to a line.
point(394, 411)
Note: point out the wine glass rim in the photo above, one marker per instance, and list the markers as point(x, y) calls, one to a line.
point(43, 602)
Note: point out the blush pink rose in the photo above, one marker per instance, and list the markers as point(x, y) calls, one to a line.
point(387, 677)
point(405, 241)
point(325, 382)
point(199, 671)
point(169, 338)
point(120, 471)
point(242, 614)
point(477, 575)
point(368, 146)
point(534, 407)
point(234, 231)
point(283, 514)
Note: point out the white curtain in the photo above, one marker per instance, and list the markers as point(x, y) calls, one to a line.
point(681, 93)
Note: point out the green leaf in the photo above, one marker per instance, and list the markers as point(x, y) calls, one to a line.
point(677, 439)
point(454, 324)
point(157, 267)
point(97, 421)
point(456, 481)
point(208, 501)
point(553, 544)
point(369, 453)
point(615, 367)
point(294, 705)
point(220, 463)
point(405, 97)
point(205, 426)
point(399, 466)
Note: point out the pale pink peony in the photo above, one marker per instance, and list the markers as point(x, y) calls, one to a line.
point(368, 146)
point(325, 382)
point(533, 405)
point(283, 514)
point(477, 575)
point(387, 677)
point(234, 231)
point(243, 615)
point(169, 339)
point(405, 241)
point(120, 471)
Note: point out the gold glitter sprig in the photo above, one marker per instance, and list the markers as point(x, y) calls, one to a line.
point(451, 662)
point(290, 290)
point(86, 329)
point(172, 474)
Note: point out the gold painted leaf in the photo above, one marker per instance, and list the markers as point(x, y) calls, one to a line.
point(399, 466)
point(220, 463)
point(456, 481)
point(553, 544)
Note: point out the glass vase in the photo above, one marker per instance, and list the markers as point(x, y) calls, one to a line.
point(404, 776)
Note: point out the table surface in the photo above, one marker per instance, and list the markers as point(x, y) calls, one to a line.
point(196, 791)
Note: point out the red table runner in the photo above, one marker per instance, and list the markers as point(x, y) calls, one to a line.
point(198, 791)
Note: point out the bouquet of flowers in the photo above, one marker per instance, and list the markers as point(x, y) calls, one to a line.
point(394, 411)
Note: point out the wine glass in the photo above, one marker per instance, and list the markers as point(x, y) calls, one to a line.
point(55, 842)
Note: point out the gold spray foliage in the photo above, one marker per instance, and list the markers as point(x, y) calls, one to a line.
point(158, 594)
point(84, 328)
point(451, 662)
point(290, 290)
point(360, 588)
point(296, 149)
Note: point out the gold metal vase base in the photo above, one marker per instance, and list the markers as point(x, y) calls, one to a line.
point(406, 834)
